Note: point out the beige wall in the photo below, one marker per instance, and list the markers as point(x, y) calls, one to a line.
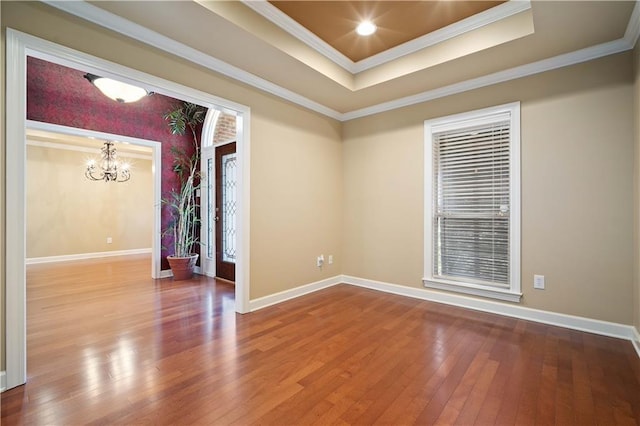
point(636, 187)
point(69, 214)
point(577, 166)
point(356, 190)
point(296, 197)
point(296, 155)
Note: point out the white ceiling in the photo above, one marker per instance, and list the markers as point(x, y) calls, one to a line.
point(232, 38)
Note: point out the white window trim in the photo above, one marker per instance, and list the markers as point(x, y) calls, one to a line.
point(513, 293)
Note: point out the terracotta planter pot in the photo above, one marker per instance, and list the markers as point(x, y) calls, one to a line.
point(182, 267)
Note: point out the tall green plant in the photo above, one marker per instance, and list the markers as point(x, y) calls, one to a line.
point(182, 204)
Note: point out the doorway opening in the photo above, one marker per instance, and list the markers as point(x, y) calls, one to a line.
point(219, 197)
point(18, 47)
point(93, 210)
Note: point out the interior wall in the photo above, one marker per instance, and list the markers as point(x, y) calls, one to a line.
point(296, 154)
point(68, 214)
point(316, 183)
point(577, 166)
point(636, 187)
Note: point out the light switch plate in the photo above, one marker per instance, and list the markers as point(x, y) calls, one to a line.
point(538, 282)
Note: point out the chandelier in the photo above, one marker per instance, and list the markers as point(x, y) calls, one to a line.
point(108, 169)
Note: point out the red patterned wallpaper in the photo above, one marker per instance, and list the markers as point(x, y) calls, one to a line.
point(61, 95)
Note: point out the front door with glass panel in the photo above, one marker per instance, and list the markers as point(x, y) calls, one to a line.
point(225, 211)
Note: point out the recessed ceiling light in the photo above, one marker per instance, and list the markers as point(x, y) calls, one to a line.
point(366, 28)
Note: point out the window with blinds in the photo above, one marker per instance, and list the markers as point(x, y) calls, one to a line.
point(472, 162)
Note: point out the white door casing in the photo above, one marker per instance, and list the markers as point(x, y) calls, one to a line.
point(18, 47)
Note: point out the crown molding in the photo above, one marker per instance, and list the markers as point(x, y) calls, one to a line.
point(497, 13)
point(633, 28)
point(66, 147)
point(549, 64)
point(282, 20)
point(113, 22)
point(589, 325)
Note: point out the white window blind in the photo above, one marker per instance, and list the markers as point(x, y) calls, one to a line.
point(470, 202)
point(471, 188)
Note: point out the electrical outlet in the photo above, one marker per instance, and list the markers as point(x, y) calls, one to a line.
point(538, 282)
point(330, 260)
point(320, 261)
point(109, 240)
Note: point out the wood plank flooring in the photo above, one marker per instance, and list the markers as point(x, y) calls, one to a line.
point(108, 345)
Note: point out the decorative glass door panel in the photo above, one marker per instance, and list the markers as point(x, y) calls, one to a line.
point(225, 211)
point(228, 212)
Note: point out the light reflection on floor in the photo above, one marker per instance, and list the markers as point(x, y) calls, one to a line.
point(115, 341)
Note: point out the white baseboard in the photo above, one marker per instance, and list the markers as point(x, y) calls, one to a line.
point(276, 298)
point(3, 381)
point(165, 273)
point(604, 328)
point(82, 256)
point(636, 340)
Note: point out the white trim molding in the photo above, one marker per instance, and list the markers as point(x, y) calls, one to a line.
point(165, 273)
point(633, 27)
point(636, 340)
point(603, 328)
point(285, 22)
point(282, 20)
point(511, 290)
point(137, 32)
point(15, 236)
point(83, 256)
point(120, 25)
point(3, 381)
point(489, 16)
point(589, 325)
point(549, 64)
point(18, 46)
point(283, 296)
point(474, 290)
point(85, 149)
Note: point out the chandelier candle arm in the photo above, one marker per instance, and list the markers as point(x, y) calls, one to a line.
point(109, 168)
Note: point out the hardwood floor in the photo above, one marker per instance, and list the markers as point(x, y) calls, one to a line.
point(107, 345)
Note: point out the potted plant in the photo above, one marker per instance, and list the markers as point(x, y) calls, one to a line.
point(181, 202)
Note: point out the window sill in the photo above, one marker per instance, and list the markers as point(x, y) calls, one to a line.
point(472, 289)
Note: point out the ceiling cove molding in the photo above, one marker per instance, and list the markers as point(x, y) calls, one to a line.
point(564, 60)
point(31, 141)
point(282, 20)
point(120, 25)
point(108, 20)
point(471, 23)
point(633, 28)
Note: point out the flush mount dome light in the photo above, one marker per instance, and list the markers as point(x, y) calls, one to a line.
point(366, 28)
point(117, 90)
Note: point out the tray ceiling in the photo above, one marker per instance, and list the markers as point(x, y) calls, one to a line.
point(256, 43)
point(397, 22)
